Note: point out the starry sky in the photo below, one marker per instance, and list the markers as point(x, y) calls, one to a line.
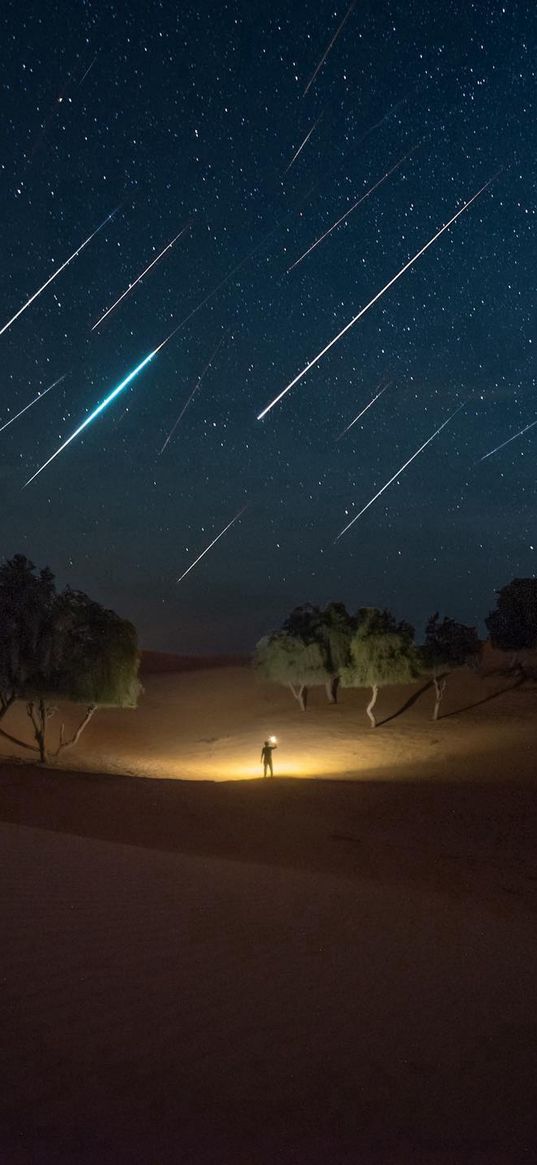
point(190, 115)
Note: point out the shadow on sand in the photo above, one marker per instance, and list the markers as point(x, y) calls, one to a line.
point(407, 704)
point(486, 699)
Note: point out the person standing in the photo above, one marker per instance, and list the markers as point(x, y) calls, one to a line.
point(266, 758)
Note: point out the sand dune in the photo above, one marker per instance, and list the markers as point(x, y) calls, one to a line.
point(165, 1007)
point(305, 970)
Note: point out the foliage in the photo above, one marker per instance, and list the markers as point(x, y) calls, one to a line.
point(27, 603)
point(382, 651)
point(98, 654)
point(330, 627)
point(448, 643)
point(513, 625)
point(336, 630)
point(309, 650)
point(283, 658)
point(60, 646)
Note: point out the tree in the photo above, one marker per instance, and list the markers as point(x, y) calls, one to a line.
point(283, 658)
point(335, 630)
point(309, 650)
point(513, 625)
point(382, 652)
point(60, 646)
point(26, 604)
point(331, 628)
point(448, 644)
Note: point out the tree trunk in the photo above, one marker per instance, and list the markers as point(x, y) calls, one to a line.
point(440, 691)
point(332, 686)
point(300, 693)
point(371, 705)
point(39, 714)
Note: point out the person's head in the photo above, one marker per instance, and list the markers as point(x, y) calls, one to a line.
point(267, 742)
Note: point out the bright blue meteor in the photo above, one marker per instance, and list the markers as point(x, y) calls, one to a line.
point(99, 409)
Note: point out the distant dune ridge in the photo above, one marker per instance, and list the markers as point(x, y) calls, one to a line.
point(158, 662)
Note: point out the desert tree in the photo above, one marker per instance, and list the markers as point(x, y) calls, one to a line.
point(331, 628)
point(27, 599)
point(284, 658)
point(382, 652)
point(61, 647)
point(336, 629)
point(447, 645)
point(512, 626)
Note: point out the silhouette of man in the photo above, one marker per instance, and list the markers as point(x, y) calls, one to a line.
point(266, 758)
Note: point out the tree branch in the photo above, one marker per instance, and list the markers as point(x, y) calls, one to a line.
point(15, 740)
point(30, 711)
point(6, 702)
point(63, 744)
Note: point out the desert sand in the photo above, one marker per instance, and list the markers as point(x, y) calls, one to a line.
point(312, 969)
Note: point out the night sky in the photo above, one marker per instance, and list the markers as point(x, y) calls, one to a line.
point(178, 114)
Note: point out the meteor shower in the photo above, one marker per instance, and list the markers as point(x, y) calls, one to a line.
point(268, 582)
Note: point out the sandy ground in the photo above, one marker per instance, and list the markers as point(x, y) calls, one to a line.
point(239, 972)
point(209, 723)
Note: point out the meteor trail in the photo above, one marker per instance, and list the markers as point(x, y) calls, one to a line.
point(88, 70)
point(351, 208)
point(400, 471)
point(330, 45)
point(39, 396)
point(301, 147)
point(96, 411)
point(140, 277)
point(371, 402)
point(372, 301)
point(197, 385)
point(211, 544)
point(56, 273)
point(504, 443)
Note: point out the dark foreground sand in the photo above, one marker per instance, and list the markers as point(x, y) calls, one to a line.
point(249, 973)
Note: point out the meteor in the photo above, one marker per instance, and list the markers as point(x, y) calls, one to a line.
point(58, 272)
point(197, 385)
point(371, 402)
point(140, 277)
point(301, 147)
point(376, 297)
point(351, 208)
point(504, 443)
point(211, 544)
point(331, 44)
point(400, 471)
point(39, 396)
point(88, 70)
point(99, 409)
